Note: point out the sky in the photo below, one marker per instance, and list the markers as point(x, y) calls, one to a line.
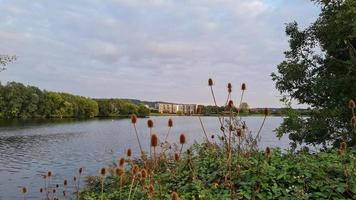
point(150, 49)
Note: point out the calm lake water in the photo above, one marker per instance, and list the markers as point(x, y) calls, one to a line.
point(29, 149)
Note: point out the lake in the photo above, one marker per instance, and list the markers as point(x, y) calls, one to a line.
point(31, 148)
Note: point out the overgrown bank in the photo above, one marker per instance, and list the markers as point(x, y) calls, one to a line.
point(201, 173)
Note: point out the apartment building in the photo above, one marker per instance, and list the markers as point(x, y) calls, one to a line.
point(176, 108)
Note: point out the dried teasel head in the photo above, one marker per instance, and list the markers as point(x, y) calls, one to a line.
point(49, 174)
point(229, 87)
point(175, 196)
point(57, 186)
point(239, 132)
point(182, 139)
point(170, 123)
point(231, 127)
point(151, 189)
point(266, 111)
point(351, 104)
point(212, 137)
point(189, 152)
point(122, 162)
point(144, 173)
point(24, 190)
point(119, 171)
point(65, 182)
point(54, 190)
point(154, 140)
point(64, 193)
point(268, 152)
point(210, 82)
point(353, 121)
point(41, 190)
point(103, 172)
point(135, 169)
point(139, 175)
point(80, 170)
point(243, 86)
point(176, 157)
point(150, 123)
point(338, 152)
point(133, 118)
point(230, 105)
point(129, 152)
point(343, 146)
point(74, 178)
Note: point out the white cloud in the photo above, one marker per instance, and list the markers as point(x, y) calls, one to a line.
point(169, 46)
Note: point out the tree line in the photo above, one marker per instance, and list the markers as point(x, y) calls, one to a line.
point(20, 101)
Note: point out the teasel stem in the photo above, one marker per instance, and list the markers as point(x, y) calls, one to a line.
point(132, 182)
point(45, 184)
point(24, 192)
point(203, 128)
point(190, 163)
point(78, 183)
point(216, 105)
point(49, 175)
point(170, 125)
point(138, 138)
point(169, 130)
point(239, 147)
point(150, 145)
point(65, 184)
point(263, 122)
point(242, 96)
point(103, 172)
point(120, 187)
point(134, 192)
point(119, 173)
point(102, 188)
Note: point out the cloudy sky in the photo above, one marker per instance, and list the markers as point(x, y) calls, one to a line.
point(150, 49)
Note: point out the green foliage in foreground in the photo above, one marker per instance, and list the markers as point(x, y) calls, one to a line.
point(324, 175)
point(20, 101)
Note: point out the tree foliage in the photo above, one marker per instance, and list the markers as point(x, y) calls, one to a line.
point(119, 107)
point(320, 70)
point(20, 101)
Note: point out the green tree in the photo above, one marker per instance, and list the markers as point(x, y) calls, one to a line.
point(143, 111)
point(319, 70)
point(244, 108)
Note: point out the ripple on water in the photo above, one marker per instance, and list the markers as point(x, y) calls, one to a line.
point(29, 150)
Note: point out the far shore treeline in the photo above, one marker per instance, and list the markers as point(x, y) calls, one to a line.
point(20, 101)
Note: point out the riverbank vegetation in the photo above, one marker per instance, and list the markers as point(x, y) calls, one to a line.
point(227, 165)
point(20, 101)
point(201, 173)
